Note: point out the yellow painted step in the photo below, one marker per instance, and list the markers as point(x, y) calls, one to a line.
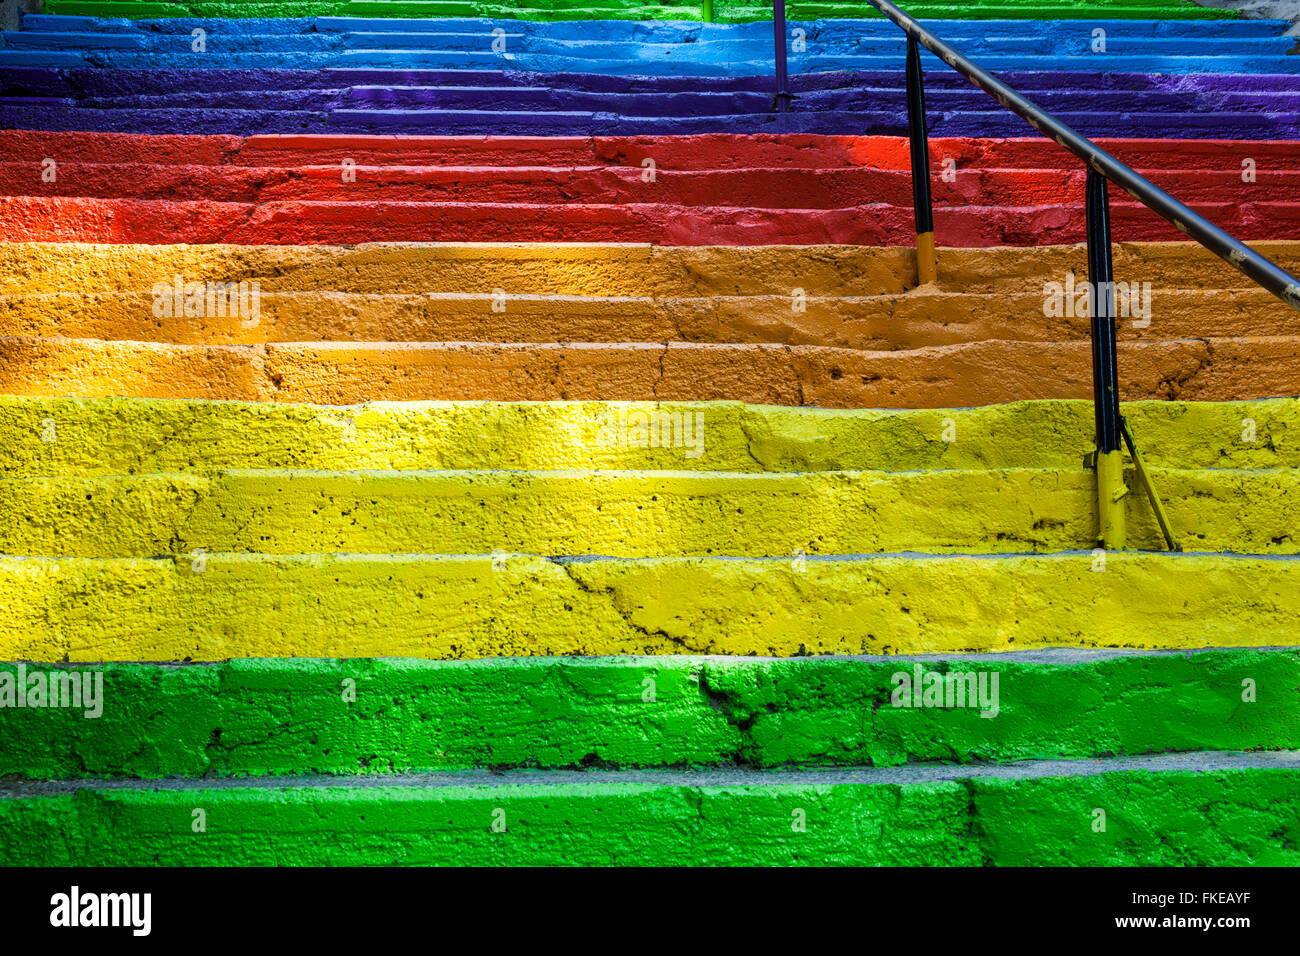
point(469, 607)
point(70, 437)
point(630, 514)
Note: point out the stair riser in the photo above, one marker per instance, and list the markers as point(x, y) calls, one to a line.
point(875, 324)
point(226, 606)
point(1166, 62)
point(717, 49)
point(684, 153)
point(802, 189)
point(1156, 819)
point(595, 270)
point(996, 123)
point(293, 222)
point(70, 437)
point(650, 32)
point(630, 514)
point(37, 80)
point(282, 717)
point(653, 105)
point(984, 373)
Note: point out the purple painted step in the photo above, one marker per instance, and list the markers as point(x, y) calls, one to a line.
point(539, 99)
point(476, 122)
point(245, 102)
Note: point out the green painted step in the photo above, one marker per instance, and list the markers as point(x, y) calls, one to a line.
point(70, 437)
point(634, 10)
point(1157, 811)
point(381, 716)
point(630, 514)
point(214, 607)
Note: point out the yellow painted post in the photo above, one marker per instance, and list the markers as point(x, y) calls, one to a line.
point(1111, 492)
point(927, 267)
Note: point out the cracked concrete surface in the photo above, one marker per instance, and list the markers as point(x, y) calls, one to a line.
point(383, 605)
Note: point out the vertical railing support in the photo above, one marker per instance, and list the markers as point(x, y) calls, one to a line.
point(782, 100)
point(927, 269)
point(1111, 490)
point(708, 11)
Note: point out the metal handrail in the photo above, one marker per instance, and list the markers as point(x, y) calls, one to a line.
point(1236, 253)
point(1103, 168)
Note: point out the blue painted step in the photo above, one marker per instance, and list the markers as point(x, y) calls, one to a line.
point(628, 48)
point(659, 31)
point(452, 60)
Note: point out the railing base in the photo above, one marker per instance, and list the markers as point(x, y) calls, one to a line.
point(1111, 495)
point(1144, 478)
point(927, 266)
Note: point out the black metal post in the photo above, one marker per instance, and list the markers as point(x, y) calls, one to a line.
point(922, 206)
point(1111, 490)
point(782, 73)
point(1105, 365)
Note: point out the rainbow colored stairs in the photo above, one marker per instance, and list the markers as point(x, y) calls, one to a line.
point(417, 456)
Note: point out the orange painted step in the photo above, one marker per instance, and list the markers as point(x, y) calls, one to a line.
point(980, 373)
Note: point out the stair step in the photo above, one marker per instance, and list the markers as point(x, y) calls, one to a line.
point(759, 64)
point(674, 60)
point(881, 101)
point(279, 716)
point(720, 42)
point(1194, 88)
point(935, 377)
point(630, 514)
point(696, 154)
point(213, 607)
point(921, 319)
point(651, 31)
point(993, 123)
point(1037, 814)
point(315, 101)
point(594, 269)
point(753, 187)
point(334, 373)
point(720, 46)
point(68, 437)
point(289, 222)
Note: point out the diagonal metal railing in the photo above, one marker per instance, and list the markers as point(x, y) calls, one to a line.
point(1102, 169)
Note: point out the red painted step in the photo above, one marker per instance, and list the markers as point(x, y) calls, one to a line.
point(711, 151)
point(797, 188)
point(280, 190)
point(290, 223)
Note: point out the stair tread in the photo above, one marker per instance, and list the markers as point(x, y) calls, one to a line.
point(133, 436)
point(172, 609)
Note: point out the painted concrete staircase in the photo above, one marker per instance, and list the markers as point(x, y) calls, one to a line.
point(145, 552)
point(608, 512)
point(441, 77)
point(703, 190)
point(449, 322)
point(828, 318)
point(623, 48)
point(399, 587)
